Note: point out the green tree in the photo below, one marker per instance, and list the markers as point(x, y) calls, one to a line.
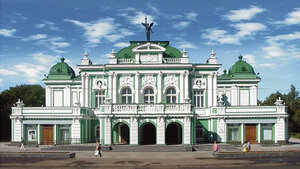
point(292, 102)
point(31, 95)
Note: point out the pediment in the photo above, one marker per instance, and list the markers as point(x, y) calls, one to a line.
point(149, 47)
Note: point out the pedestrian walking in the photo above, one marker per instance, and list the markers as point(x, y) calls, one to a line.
point(216, 147)
point(22, 147)
point(98, 149)
point(248, 146)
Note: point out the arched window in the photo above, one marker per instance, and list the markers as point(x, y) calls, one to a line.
point(126, 95)
point(171, 95)
point(148, 95)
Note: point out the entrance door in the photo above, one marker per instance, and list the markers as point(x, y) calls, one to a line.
point(148, 134)
point(251, 133)
point(173, 134)
point(124, 134)
point(47, 135)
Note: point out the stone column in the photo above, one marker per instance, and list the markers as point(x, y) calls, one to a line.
point(221, 130)
point(182, 85)
point(114, 90)
point(87, 93)
point(39, 133)
point(54, 134)
point(110, 86)
point(187, 130)
point(159, 87)
point(137, 87)
point(186, 85)
point(48, 96)
point(83, 89)
point(107, 136)
point(161, 128)
point(101, 139)
point(134, 140)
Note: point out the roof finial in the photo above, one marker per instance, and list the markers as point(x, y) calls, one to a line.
point(62, 59)
point(212, 54)
point(85, 54)
point(240, 57)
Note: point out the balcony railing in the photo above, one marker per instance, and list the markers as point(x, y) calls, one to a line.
point(144, 108)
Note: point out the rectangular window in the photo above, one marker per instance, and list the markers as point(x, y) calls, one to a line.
point(244, 98)
point(99, 98)
point(58, 98)
point(31, 135)
point(199, 98)
point(233, 131)
point(267, 131)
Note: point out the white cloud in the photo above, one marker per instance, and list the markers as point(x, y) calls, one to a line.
point(47, 24)
point(5, 72)
point(293, 18)
point(7, 32)
point(121, 44)
point(243, 14)
point(54, 43)
point(282, 46)
point(137, 17)
point(192, 16)
point(33, 72)
point(183, 44)
point(35, 37)
point(244, 30)
point(181, 25)
point(252, 61)
point(95, 31)
point(1, 80)
point(44, 59)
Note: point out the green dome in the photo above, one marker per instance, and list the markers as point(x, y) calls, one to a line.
point(169, 53)
point(61, 71)
point(241, 67)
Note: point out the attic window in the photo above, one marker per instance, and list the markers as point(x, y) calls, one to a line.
point(244, 69)
point(58, 70)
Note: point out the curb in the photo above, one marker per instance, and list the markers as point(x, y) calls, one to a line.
point(256, 154)
point(47, 155)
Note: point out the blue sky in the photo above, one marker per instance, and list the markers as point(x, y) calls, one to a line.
point(35, 34)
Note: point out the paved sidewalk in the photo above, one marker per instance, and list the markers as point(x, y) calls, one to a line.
point(293, 146)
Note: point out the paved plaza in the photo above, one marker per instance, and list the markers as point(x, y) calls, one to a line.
point(203, 159)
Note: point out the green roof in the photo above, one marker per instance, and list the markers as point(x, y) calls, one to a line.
point(61, 71)
point(170, 52)
point(240, 70)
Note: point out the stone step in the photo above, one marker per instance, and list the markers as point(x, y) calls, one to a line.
point(122, 148)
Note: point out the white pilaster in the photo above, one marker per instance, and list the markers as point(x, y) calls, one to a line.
point(134, 131)
point(48, 96)
point(234, 96)
point(107, 136)
point(242, 133)
point(259, 133)
point(182, 86)
point(114, 98)
point(39, 133)
point(100, 131)
point(187, 130)
point(253, 95)
point(214, 88)
point(83, 77)
point(280, 132)
point(110, 87)
point(161, 130)
point(76, 131)
point(87, 93)
point(186, 86)
point(159, 87)
point(67, 96)
point(221, 130)
point(137, 87)
point(17, 130)
point(54, 134)
point(209, 88)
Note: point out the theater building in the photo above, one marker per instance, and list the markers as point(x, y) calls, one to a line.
point(150, 93)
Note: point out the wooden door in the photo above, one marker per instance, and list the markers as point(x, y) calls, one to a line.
point(124, 134)
point(47, 135)
point(251, 134)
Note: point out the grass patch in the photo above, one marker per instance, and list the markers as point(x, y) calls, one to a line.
point(295, 135)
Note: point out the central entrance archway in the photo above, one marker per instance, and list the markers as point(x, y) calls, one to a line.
point(121, 135)
point(148, 134)
point(174, 134)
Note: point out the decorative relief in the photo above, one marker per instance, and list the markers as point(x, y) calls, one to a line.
point(171, 80)
point(148, 80)
point(126, 80)
point(100, 84)
point(199, 83)
point(149, 58)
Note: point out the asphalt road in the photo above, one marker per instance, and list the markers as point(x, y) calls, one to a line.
point(149, 163)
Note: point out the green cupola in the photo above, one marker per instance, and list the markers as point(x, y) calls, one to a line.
point(242, 69)
point(61, 71)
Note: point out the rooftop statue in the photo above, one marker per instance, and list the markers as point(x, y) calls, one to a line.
point(148, 28)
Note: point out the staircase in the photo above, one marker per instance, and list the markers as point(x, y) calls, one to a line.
point(122, 148)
